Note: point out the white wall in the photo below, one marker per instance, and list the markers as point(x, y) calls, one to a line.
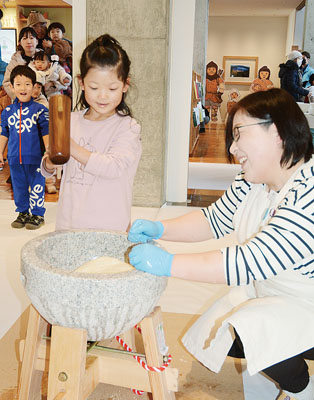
point(290, 32)
point(181, 35)
point(264, 37)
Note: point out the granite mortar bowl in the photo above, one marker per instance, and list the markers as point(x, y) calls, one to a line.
point(104, 304)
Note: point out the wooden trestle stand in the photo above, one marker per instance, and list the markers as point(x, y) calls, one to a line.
point(73, 374)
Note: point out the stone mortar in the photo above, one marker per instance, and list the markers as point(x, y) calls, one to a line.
point(104, 304)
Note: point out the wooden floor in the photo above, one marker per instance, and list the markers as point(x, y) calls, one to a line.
point(210, 148)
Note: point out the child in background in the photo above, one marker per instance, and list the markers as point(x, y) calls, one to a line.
point(60, 46)
point(51, 75)
point(311, 89)
point(39, 97)
point(97, 181)
point(24, 124)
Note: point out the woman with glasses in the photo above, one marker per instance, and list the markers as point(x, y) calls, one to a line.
point(267, 317)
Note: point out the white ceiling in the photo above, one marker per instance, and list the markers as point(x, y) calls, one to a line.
point(279, 8)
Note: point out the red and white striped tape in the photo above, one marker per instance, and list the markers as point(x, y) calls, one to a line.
point(142, 362)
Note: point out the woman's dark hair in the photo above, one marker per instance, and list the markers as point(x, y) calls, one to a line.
point(212, 64)
point(105, 52)
point(56, 25)
point(264, 68)
point(25, 32)
point(23, 70)
point(279, 107)
point(41, 55)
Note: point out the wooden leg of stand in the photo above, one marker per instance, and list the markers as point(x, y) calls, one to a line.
point(29, 384)
point(67, 363)
point(158, 383)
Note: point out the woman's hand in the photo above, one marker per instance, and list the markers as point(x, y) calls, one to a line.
point(149, 258)
point(47, 44)
point(201, 267)
point(143, 230)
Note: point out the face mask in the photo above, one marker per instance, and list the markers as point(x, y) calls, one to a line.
point(303, 61)
point(299, 62)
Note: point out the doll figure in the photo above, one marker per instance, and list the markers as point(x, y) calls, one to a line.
point(234, 97)
point(262, 82)
point(214, 89)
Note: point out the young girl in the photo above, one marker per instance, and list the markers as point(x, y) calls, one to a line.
point(97, 181)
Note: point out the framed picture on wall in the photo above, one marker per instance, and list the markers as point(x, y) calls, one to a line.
point(239, 70)
point(7, 43)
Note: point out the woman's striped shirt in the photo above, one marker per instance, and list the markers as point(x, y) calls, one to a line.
point(285, 242)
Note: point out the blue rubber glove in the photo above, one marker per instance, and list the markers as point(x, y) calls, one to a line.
point(149, 258)
point(143, 230)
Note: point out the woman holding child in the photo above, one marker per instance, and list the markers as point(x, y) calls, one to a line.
point(25, 52)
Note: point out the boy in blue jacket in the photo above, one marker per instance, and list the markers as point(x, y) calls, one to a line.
point(25, 128)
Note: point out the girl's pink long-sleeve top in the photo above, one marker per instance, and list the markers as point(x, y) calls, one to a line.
point(99, 194)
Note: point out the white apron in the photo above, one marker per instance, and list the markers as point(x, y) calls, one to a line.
point(274, 318)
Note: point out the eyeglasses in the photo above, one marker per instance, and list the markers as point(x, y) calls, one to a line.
point(236, 129)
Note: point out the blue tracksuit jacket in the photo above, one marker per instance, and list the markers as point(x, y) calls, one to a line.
point(22, 123)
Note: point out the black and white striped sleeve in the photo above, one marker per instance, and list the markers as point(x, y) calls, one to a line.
point(220, 214)
point(286, 242)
